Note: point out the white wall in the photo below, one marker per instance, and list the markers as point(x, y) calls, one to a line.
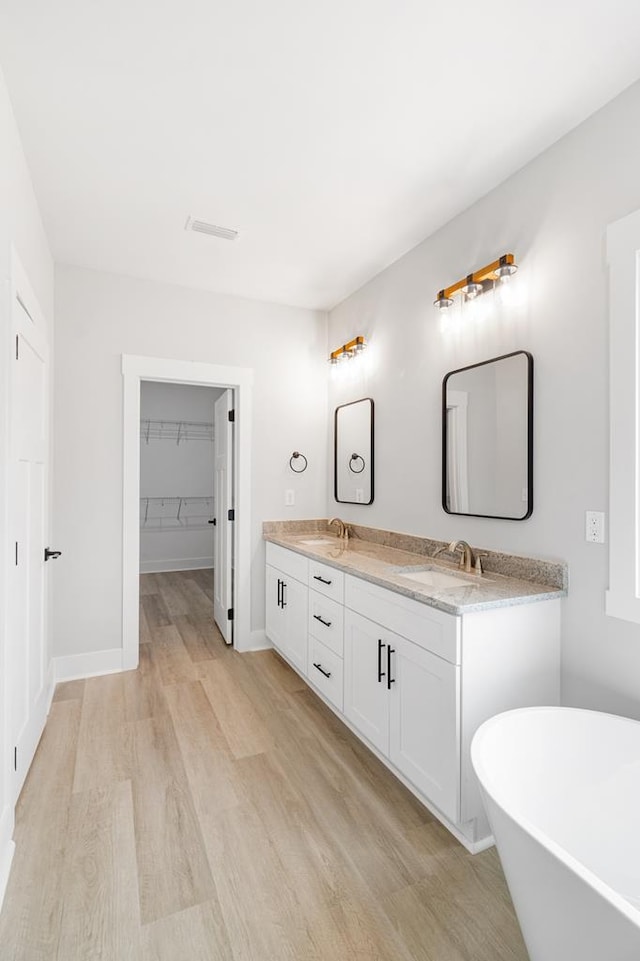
point(20, 224)
point(171, 469)
point(552, 214)
point(99, 316)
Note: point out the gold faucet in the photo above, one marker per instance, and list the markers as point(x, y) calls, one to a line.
point(466, 554)
point(343, 529)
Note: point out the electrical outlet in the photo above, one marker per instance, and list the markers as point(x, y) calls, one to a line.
point(359, 495)
point(594, 527)
point(289, 498)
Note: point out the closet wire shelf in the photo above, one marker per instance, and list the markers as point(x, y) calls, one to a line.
point(176, 513)
point(175, 430)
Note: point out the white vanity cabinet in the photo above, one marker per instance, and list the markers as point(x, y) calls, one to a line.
point(400, 695)
point(366, 698)
point(287, 598)
point(413, 681)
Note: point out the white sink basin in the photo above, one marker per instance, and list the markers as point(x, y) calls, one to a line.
point(316, 541)
point(428, 577)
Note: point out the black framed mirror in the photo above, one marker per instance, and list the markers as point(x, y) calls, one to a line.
point(353, 452)
point(487, 438)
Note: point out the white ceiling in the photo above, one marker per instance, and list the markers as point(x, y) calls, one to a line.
point(333, 135)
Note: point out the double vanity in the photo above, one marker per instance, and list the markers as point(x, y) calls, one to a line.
point(412, 652)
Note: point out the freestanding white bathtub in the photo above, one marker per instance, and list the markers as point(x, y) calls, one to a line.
point(562, 793)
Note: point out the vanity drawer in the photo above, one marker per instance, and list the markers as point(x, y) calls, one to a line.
point(326, 621)
point(327, 580)
point(295, 565)
point(432, 629)
point(323, 662)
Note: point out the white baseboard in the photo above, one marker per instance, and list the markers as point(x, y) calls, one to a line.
point(259, 642)
point(7, 849)
point(74, 666)
point(179, 564)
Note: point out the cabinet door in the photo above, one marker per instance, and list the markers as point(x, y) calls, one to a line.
point(274, 613)
point(366, 698)
point(424, 724)
point(295, 598)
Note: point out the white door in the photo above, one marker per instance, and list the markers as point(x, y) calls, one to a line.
point(366, 694)
point(295, 605)
point(223, 549)
point(275, 624)
point(27, 650)
point(424, 729)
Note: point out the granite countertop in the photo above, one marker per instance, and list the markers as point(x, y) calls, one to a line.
point(389, 566)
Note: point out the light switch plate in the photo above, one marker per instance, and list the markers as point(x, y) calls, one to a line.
point(289, 498)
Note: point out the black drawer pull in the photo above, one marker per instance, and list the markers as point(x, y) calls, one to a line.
point(279, 592)
point(381, 644)
point(390, 680)
point(317, 577)
point(317, 617)
point(322, 670)
point(283, 603)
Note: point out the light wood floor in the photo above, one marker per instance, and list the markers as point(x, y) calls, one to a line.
point(208, 807)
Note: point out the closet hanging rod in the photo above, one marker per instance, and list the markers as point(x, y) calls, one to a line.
point(176, 430)
point(176, 513)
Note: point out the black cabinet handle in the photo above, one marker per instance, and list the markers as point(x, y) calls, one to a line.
point(48, 555)
point(322, 670)
point(284, 603)
point(279, 589)
point(381, 644)
point(322, 580)
point(390, 680)
point(317, 617)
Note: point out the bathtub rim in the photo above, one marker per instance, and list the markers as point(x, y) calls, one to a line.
point(617, 900)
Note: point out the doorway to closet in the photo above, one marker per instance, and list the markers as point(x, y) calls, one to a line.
point(230, 490)
point(186, 508)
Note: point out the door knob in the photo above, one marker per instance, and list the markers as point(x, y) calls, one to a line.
point(51, 554)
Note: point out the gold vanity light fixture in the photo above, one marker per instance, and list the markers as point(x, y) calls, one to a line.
point(477, 282)
point(348, 351)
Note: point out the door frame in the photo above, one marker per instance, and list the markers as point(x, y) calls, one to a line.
point(164, 370)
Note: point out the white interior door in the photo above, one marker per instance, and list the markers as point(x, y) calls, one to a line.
point(223, 548)
point(27, 651)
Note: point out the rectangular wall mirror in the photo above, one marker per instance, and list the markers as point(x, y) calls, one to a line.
point(487, 438)
point(353, 452)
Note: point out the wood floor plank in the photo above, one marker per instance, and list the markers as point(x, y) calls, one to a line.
point(172, 865)
point(69, 690)
point(171, 589)
point(198, 601)
point(143, 688)
point(197, 641)
point(170, 656)
point(155, 611)
point(105, 741)
point(195, 934)
point(30, 919)
point(144, 629)
point(148, 584)
point(100, 916)
point(204, 750)
point(236, 715)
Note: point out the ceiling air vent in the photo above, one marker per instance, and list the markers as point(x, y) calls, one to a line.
point(202, 227)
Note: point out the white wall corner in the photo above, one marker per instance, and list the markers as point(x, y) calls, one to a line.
point(74, 666)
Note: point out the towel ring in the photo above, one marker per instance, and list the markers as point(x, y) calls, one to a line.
point(296, 454)
point(356, 457)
